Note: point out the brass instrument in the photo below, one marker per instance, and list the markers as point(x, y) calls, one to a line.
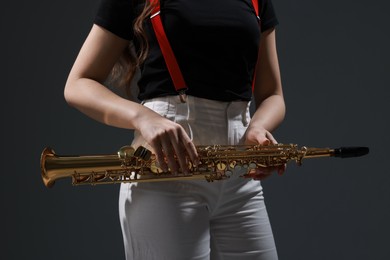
point(216, 162)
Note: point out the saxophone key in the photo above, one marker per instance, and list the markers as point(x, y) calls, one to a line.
point(155, 168)
point(229, 174)
point(252, 166)
point(221, 166)
point(232, 164)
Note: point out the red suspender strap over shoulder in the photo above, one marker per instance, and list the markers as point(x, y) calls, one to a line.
point(256, 7)
point(167, 52)
point(169, 57)
point(257, 10)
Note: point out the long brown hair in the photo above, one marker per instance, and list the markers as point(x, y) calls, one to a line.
point(125, 68)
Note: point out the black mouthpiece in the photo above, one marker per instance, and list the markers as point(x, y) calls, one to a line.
point(346, 152)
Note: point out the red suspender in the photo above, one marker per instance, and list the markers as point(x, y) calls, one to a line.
point(167, 52)
point(169, 56)
point(256, 7)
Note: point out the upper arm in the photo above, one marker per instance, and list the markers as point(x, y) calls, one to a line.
point(97, 56)
point(268, 81)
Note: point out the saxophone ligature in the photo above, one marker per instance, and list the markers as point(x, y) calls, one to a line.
point(216, 162)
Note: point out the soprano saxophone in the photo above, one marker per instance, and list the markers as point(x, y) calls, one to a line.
point(216, 162)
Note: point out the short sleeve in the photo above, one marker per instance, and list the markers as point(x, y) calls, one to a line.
point(116, 16)
point(268, 17)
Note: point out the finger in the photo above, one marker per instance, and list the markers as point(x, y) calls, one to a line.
point(262, 140)
point(266, 142)
point(271, 138)
point(180, 156)
point(261, 173)
point(282, 169)
point(156, 145)
point(261, 176)
point(180, 149)
point(169, 154)
point(191, 149)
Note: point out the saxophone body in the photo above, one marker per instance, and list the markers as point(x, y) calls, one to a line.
point(216, 162)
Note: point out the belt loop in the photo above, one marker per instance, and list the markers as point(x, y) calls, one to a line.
point(182, 116)
point(245, 114)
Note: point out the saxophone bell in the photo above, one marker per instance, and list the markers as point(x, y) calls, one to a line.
point(47, 152)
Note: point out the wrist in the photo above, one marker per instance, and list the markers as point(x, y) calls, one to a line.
point(143, 116)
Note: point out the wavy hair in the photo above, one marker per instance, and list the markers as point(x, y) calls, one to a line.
point(125, 68)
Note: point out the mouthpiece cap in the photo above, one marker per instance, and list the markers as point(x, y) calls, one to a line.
point(346, 152)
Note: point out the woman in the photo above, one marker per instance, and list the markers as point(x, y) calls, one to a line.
point(216, 44)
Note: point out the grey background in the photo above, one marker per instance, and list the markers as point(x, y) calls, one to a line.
point(334, 60)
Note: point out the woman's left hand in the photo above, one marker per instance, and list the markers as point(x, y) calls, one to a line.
point(257, 135)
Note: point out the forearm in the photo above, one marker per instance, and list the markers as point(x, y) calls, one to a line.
point(268, 93)
point(101, 104)
point(269, 113)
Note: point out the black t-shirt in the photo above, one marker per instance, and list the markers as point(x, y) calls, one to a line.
point(215, 43)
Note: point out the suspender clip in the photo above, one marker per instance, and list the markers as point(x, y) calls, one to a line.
point(183, 95)
point(155, 14)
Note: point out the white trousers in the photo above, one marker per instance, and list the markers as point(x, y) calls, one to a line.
point(196, 219)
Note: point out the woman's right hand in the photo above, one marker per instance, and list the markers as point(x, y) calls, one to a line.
point(168, 141)
point(85, 91)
